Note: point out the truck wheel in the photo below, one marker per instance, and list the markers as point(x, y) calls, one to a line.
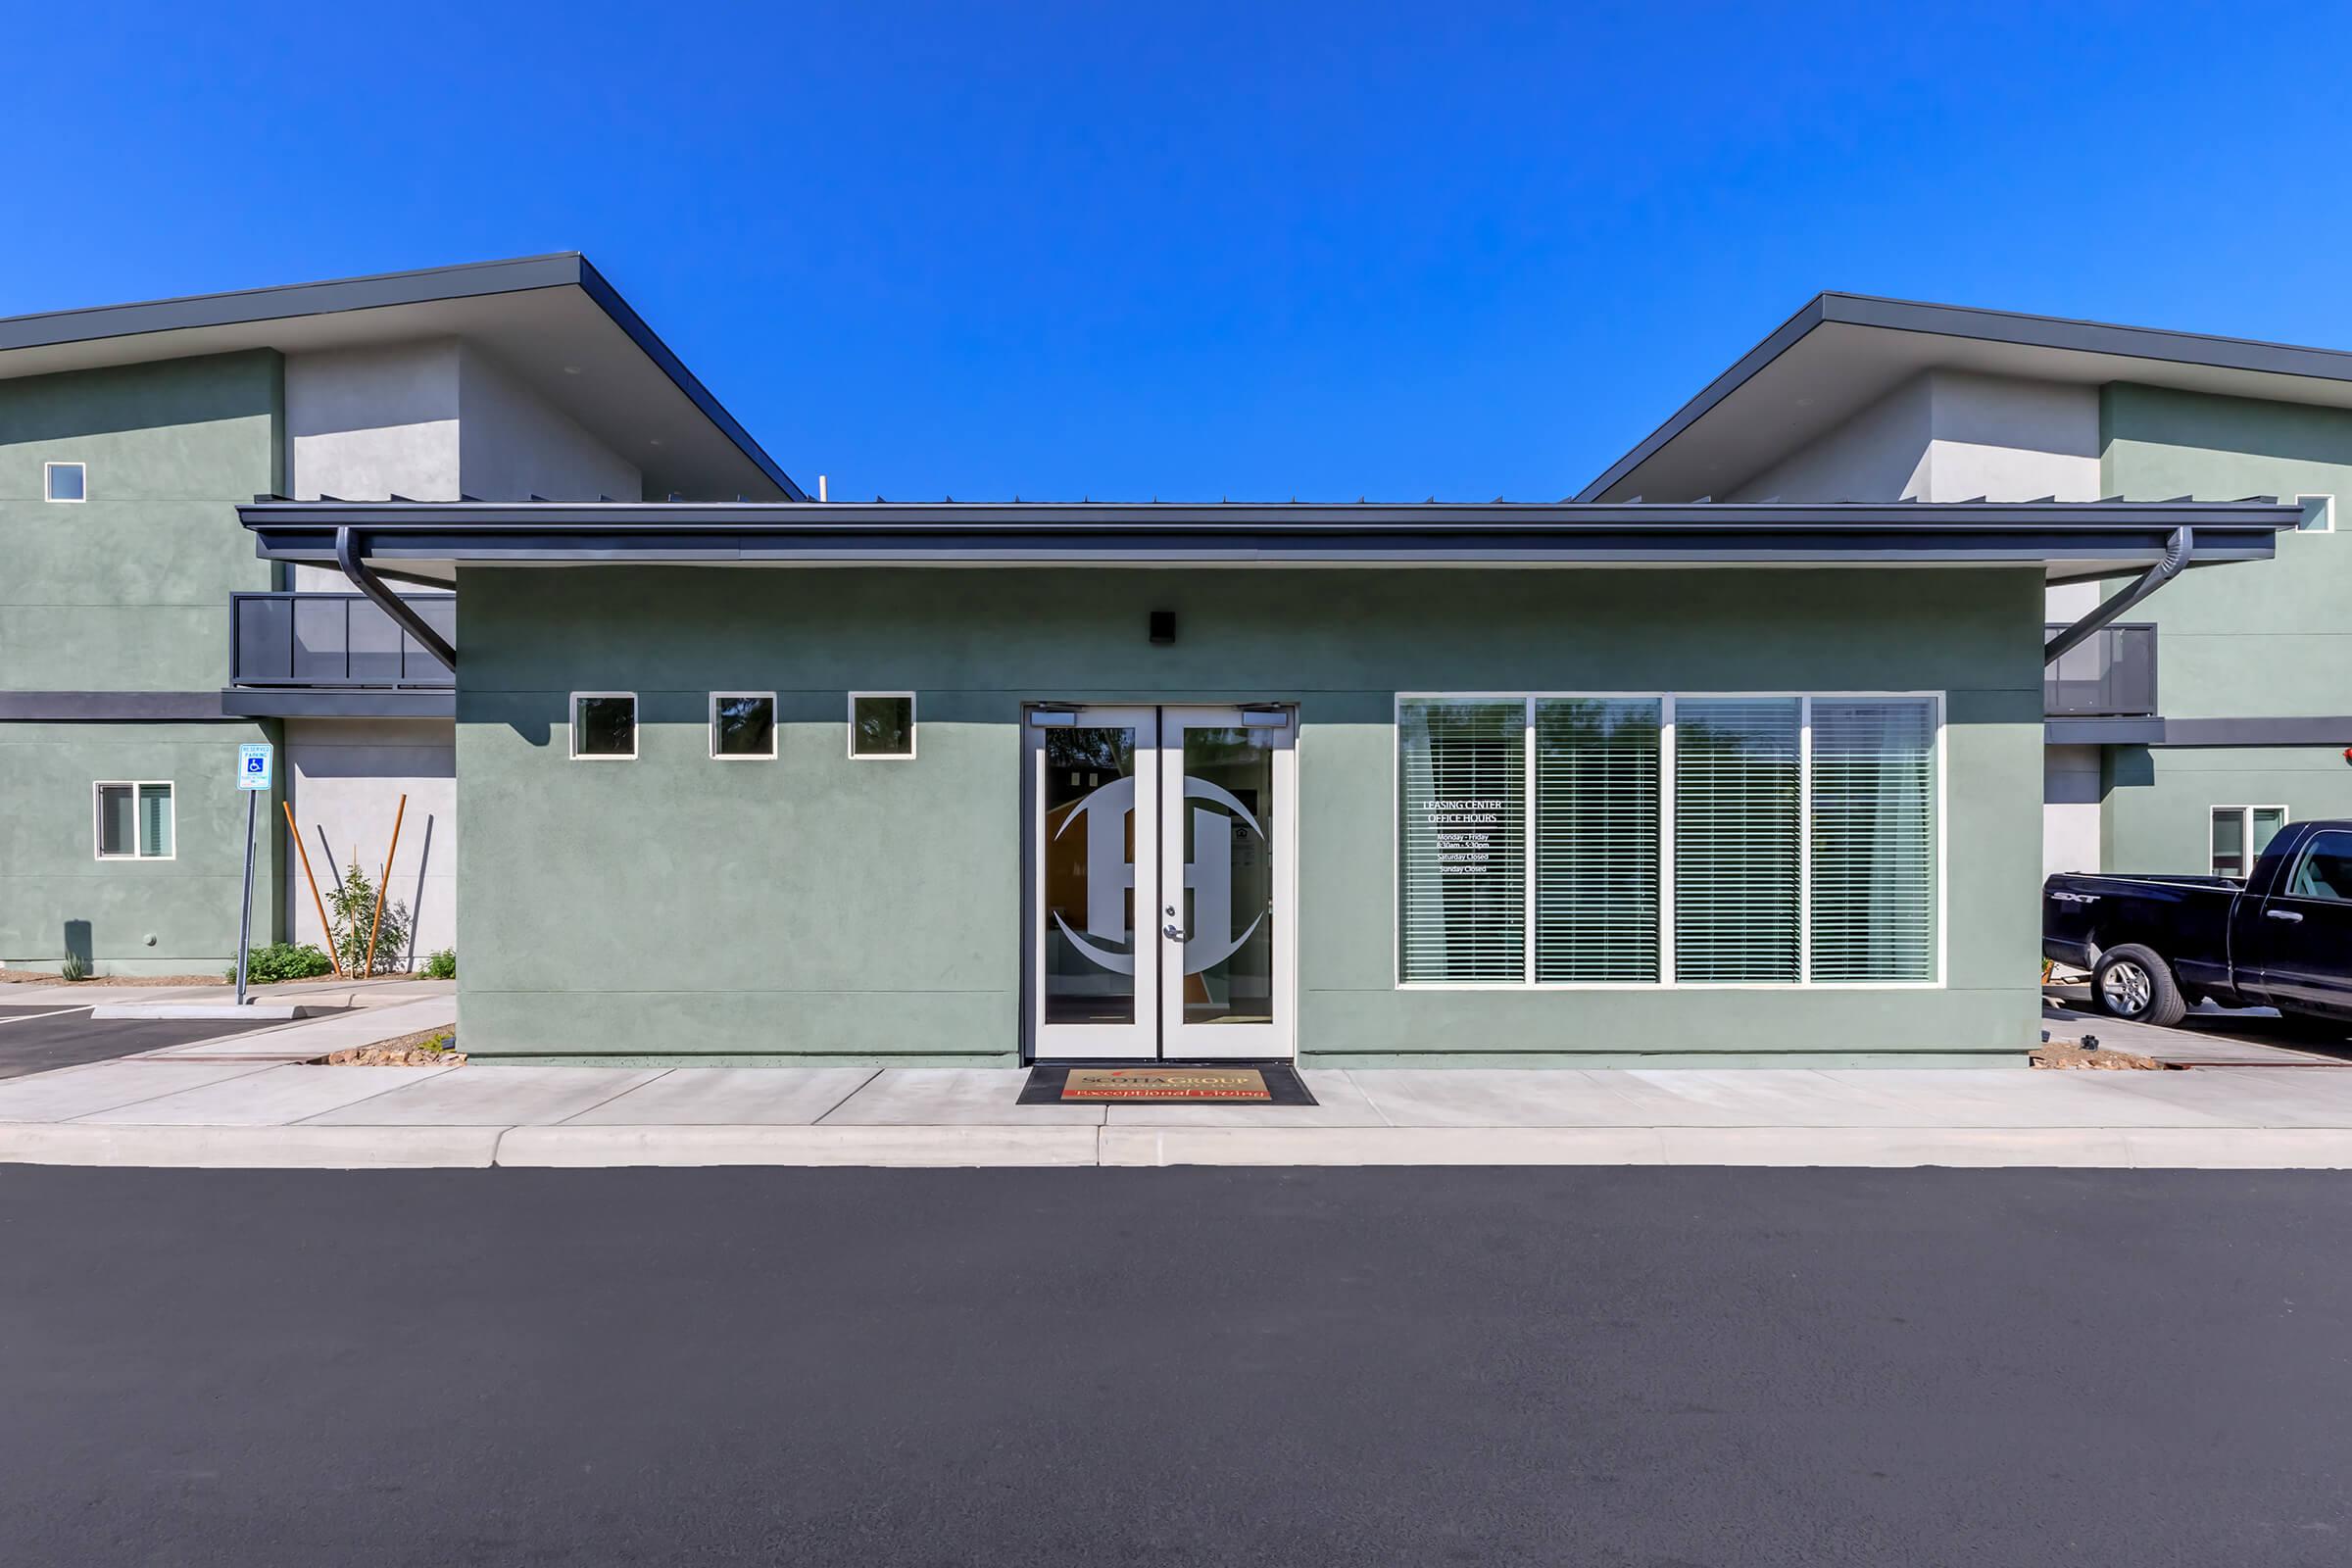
point(2132, 983)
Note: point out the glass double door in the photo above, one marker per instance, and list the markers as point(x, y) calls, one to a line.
point(1159, 888)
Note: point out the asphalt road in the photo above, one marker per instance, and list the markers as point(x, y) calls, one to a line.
point(39, 1039)
point(1591, 1367)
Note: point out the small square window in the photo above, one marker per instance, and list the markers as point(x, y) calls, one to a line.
point(882, 724)
point(2319, 514)
point(134, 821)
point(604, 725)
point(743, 727)
point(64, 481)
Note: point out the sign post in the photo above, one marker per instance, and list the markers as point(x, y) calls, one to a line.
point(253, 777)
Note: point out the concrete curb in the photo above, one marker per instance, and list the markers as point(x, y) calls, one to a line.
point(586, 1145)
point(323, 1146)
point(225, 1012)
point(250, 1147)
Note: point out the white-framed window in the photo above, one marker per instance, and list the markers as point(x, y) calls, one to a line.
point(2239, 835)
point(882, 726)
point(604, 726)
point(133, 819)
point(743, 727)
point(1656, 839)
point(2319, 514)
point(64, 481)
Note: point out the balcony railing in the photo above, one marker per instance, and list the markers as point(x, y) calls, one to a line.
point(2113, 675)
point(335, 640)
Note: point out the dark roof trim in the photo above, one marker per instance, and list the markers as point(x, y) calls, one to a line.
point(294, 701)
point(81, 708)
point(566, 268)
point(1950, 533)
point(1991, 327)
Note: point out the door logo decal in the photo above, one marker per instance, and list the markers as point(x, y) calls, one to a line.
point(1109, 875)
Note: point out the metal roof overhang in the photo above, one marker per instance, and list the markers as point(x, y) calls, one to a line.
point(1844, 351)
point(2066, 540)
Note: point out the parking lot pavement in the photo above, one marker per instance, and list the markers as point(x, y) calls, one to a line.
point(2210, 1037)
point(35, 1039)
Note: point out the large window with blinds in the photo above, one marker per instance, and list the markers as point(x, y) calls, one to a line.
point(1669, 840)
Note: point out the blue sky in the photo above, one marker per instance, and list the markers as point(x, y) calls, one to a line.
point(1201, 250)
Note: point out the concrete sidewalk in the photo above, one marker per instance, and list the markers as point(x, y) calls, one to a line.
point(206, 1106)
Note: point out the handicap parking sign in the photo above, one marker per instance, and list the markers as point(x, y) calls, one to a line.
point(253, 768)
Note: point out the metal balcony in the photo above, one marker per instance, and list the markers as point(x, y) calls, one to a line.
point(335, 641)
point(2113, 675)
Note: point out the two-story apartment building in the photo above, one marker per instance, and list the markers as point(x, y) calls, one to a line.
point(141, 639)
point(2179, 738)
point(1748, 754)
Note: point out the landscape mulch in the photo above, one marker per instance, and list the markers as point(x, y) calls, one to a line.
point(426, 1047)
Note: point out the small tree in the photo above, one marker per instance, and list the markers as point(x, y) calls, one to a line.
point(349, 911)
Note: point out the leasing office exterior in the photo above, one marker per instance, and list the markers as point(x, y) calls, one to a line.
point(1410, 785)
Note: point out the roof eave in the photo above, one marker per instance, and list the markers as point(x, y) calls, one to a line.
point(2089, 536)
point(377, 291)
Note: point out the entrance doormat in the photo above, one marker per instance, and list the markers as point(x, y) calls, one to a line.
point(1231, 1083)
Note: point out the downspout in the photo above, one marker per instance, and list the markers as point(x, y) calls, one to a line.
point(2177, 551)
point(364, 578)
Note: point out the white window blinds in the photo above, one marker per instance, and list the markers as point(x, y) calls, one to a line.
point(1669, 839)
point(1737, 783)
point(1596, 839)
point(1874, 839)
point(1462, 850)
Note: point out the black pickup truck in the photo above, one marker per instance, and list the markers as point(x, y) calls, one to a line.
point(2281, 938)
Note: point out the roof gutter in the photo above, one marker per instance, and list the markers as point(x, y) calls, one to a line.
point(2177, 553)
point(349, 556)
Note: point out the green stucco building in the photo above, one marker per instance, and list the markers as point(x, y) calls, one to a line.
point(1751, 752)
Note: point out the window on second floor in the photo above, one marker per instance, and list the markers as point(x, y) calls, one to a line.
point(64, 481)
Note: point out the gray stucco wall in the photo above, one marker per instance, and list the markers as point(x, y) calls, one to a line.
point(346, 778)
point(821, 907)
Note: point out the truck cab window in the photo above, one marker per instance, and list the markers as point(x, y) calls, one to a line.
point(2326, 871)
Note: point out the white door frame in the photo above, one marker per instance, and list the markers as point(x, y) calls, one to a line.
point(1139, 1039)
point(1158, 1030)
point(1209, 1041)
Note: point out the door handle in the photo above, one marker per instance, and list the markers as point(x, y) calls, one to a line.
point(2282, 915)
point(1176, 933)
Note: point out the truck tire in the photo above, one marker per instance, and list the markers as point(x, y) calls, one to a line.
point(2133, 983)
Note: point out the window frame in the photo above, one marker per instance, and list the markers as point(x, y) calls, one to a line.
point(1666, 980)
point(2327, 499)
point(2303, 858)
point(774, 735)
point(571, 725)
point(914, 730)
point(2246, 828)
point(50, 467)
point(138, 824)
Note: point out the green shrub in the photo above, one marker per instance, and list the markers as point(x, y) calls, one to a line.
point(285, 960)
point(76, 967)
point(442, 966)
point(351, 910)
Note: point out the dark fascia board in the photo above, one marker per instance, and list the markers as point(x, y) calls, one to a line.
point(291, 701)
point(121, 708)
point(1843, 533)
point(2331, 730)
point(2102, 732)
point(467, 281)
point(1989, 327)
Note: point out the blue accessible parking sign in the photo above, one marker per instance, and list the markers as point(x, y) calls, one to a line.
point(253, 768)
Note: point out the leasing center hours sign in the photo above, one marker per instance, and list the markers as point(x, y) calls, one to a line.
point(1464, 831)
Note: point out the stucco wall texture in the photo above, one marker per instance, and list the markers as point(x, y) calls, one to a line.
point(129, 592)
point(818, 907)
